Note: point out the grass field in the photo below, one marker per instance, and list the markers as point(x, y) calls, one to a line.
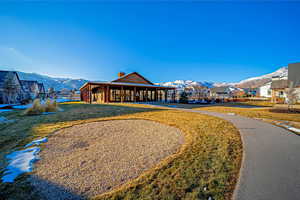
point(231, 104)
point(260, 109)
point(254, 113)
point(210, 157)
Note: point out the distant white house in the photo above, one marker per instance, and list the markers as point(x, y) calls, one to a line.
point(265, 90)
point(222, 92)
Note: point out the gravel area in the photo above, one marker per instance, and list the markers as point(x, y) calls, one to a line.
point(86, 160)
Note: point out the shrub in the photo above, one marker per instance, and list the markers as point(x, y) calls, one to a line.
point(35, 109)
point(51, 106)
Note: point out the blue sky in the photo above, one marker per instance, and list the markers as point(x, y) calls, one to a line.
point(202, 41)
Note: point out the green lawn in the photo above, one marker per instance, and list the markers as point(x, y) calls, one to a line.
point(209, 158)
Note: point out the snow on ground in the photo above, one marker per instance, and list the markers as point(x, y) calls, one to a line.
point(294, 129)
point(22, 107)
point(5, 120)
point(37, 142)
point(20, 162)
point(48, 113)
point(172, 106)
point(5, 105)
point(64, 100)
point(291, 128)
point(5, 110)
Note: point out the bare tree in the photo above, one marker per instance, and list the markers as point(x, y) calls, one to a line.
point(291, 95)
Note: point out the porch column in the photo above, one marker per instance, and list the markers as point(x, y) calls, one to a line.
point(159, 93)
point(146, 94)
point(166, 95)
point(90, 93)
point(122, 94)
point(174, 95)
point(134, 95)
point(156, 95)
point(107, 94)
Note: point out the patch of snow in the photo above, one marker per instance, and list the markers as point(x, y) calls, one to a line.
point(63, 100)
point(291, 128)
point(37, 142)
point(20, 162)
point(5, 110)
point(22, 107)
point(48, 113)
point(172, 106)
point(297, 130)
point(5, 120)
point(5, 105)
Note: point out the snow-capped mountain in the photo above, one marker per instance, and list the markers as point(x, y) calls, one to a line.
point(247, 83)
point(261, 80)
point(56, 83)
point(281, 72)
point(181, 84)
point(69, 83)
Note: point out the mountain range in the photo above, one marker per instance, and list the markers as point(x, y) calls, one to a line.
point(69, 83)
point(56, 83)
point(247, 83)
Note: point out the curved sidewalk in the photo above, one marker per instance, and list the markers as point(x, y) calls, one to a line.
point(271, 161)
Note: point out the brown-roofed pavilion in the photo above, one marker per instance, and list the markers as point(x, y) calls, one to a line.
point(132, 87)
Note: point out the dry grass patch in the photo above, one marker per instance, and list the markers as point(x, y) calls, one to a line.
point(255, 113)
point(207, 165)
point(256, 103)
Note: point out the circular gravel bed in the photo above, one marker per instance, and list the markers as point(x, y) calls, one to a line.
point(89, 159)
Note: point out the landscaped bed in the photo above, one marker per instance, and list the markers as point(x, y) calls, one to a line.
point(206, 165)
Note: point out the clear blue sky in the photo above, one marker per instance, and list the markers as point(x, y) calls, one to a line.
point(201, 41)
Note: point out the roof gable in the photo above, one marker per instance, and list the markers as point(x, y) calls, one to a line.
point(4, 75)
point(133, 78)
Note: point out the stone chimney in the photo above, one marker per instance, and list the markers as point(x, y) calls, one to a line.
point(120, 74)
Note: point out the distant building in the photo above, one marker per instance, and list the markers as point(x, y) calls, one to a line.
point(42, 91)
point(251, 92)
point(278, 88)
point(221, 92)
point(265, 90)
point(11, 90)
point(31, 87)
point(280, 85)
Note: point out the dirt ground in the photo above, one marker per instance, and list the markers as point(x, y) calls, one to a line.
point(86, 160)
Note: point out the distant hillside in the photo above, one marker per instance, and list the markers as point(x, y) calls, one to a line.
point(181, 84)
point(248, 83)
point(261, 80)
point(56, 83)
point(68, 83)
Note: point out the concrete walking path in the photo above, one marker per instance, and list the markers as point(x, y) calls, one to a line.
point(271, 161)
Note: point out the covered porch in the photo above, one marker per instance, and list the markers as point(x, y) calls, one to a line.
point(105, 93)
